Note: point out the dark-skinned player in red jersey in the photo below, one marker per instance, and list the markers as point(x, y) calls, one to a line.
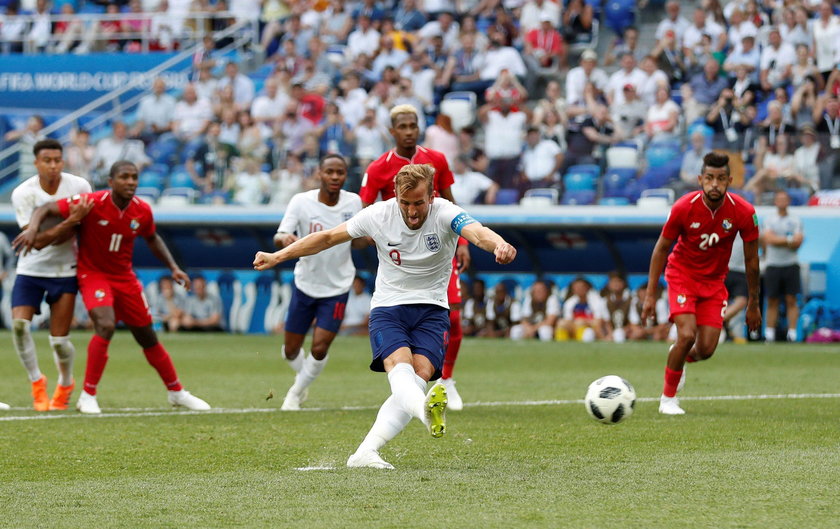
point(379, 180)
point(109, 287)
point(704, 224)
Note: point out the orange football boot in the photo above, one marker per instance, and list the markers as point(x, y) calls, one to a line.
point(40, 400)
point(61, 397)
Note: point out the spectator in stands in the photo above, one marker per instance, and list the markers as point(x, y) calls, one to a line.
point(191, 117)
point(474, 315)
point(778, 171)
point(79, 155)
point(826, 47)
point(744, 90)
point(169, 305)
point(580, 76)
point(405, 96)
point(663, 117)
point(206, 85)
point(441, 137)
point(777, 59)
point(577, 20)
point(504, 129)
point(364, 39)
point(536, 316)
point(40, 30)
point(471, 187)
point(286, 182)
point(827, 123)
point(588, 133)
point(461, 72)
point(296, 33)
point(229, 128)
point(370, 137)
point(250, 143)
point(654, 78)
point(673, 22)
point(533, 10)
point(165, 29)
point(115, 148)
point(501, 57)
point(640, 330)
point(670, 58)
point(407, 17)
point(357, 310)
point(26, 139)
point(617, 301)
point(746, 55)
point(507, 86)
point(584, 314)
point(12, 30)
point(703, 91)
point(154, 114)
point(294, 127)
point(544, 46)
point(627, 43)
point(423, 79)
point(629, 117)
point(804, 68)
point(692, 163)
point(739, 27)
point(771, 128)
point(541, 162)
point(334, 135)
point(203, 310)
point(250, 185)
point(498, 312)
point(68, 33)
point(268, 107)
point(337, 25)
point(733, 130)
point(210, 163)
point(754, 14)
point(693, 35)
point(806, 157)
point(243, 86)
point(553, 100)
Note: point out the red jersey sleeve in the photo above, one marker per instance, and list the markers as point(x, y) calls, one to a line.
point(372, 183)
point(64, 204)
point(673, 227)
point(749, 224)
point(444, 177)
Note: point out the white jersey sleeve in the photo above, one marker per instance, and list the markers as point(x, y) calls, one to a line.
point(291, 216)
point(56, 260)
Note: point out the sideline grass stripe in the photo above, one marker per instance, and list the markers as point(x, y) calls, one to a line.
point(158, 412)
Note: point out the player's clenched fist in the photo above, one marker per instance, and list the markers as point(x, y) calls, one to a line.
point(264, 261)
point(505, 253)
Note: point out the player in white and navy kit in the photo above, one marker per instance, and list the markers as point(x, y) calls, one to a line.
point(322, 282)
point(415, 236)
point(49, 272)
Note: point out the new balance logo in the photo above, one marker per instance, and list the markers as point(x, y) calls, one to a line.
point(695, 225)
point(103, 222)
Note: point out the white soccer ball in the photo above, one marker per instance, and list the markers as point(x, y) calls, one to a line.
point(610, 399)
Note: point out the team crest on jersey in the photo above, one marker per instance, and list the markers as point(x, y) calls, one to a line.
point(347, 216)
point(681, 299)
point(727, 224)
point(432, 242)
point(134, 224)
point(99, 293)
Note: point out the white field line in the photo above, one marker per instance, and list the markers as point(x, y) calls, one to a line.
point(161, 412)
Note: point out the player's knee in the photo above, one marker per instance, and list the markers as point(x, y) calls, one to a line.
point(105, 327)
point(703, 351)
point(20, 327)
point(319, 350)
point(686, 336)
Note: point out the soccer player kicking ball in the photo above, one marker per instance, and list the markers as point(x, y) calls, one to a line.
point(415, 236)
point(108, 285)
point(49, 272)
point(379, 181)
point(317, 295)
point(704, 224)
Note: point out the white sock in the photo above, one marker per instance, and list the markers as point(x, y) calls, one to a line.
point(770, 334)
point(308, 373)
point(63, 353)
point(791, 335)
point(295, 363)
point(390, 421)
point(25, 347)
point(420, 383)
point(405, 390)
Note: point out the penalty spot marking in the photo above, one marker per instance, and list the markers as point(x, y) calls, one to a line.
point(159, 412)
point(307, 469)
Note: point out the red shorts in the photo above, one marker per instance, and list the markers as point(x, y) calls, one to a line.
point(123, 294)
point(453, 292)
point(705, 299)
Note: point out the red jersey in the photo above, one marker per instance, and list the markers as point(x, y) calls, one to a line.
point(380, 174)
point(107, 233)
point(704, 237)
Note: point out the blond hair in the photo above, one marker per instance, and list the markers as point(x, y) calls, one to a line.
point(411, 176)
point(403, 109)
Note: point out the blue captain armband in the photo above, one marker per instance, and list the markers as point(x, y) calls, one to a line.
point(458, 223)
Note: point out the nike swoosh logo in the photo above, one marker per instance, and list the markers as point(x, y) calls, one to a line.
point(393, 244)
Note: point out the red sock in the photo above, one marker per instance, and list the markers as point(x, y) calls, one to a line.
point(96, 359)
point(672, 378)
point(160, 360)
point(690, 359)
point(456, 334)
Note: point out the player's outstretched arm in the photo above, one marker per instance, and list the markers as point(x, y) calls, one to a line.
point(753, 315)
point(31, 237)
point(161, 251)
point(309, 245)
point(489, 241)
point(657, 265)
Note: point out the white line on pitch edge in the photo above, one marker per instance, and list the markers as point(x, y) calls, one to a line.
point(160, 412)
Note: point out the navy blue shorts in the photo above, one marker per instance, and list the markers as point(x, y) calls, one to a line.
point(29, 291)
point(327, 312)
point(422, 328)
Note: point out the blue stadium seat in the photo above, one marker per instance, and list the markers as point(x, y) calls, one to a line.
point(163, 151)
point(580, 182)
point(590, 168)
point(152, 179)
point(578, 197)
point(661, 154)
point(148, 193)
point(619, 15)
point(614, 201)
point(798, 196)
point(180, 177)
point(749, 196)
point(657, 177)
point(507, 196)
point(617, 178)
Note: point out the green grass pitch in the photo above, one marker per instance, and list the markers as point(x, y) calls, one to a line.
point(523, 453)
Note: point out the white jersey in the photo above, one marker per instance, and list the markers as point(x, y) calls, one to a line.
point(329, 273)
point(56, 260)
point(414, 265)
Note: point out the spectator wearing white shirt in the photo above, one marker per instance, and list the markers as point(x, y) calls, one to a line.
point(826, 30)
point(499, 58)
point(115, 148)
point(364, 40)
point(584, 314)
point(541, 161)
point(806, 157)
point(192, 115)
point(738, 29)
point(536, 316)
point(446, 27)
point(654, 77)
point(627, 75)
point(250, 186)
point(779, 168)
point(504, 128)
point(371, 138)
point(268, 107)
point(748, 55)
point(154, 115)
point(41, 30)
point(673, 21)
point(387, 55)
point(12, 30)
point(663, 116)
point(471, 187)
point(693, 35)
point(579, 76)
point(777, 59)
point(243, 87)
point(529, 17)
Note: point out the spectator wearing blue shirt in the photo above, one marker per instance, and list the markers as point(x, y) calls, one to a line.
point(703, 90)
point(408, 17)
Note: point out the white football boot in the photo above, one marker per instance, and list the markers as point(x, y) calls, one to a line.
point(670, 406)
point(87, 404)
point(455, 401)
point(188, 400)
point(368, 459)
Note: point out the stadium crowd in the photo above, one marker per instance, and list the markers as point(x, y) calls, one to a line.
point(508, 90)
